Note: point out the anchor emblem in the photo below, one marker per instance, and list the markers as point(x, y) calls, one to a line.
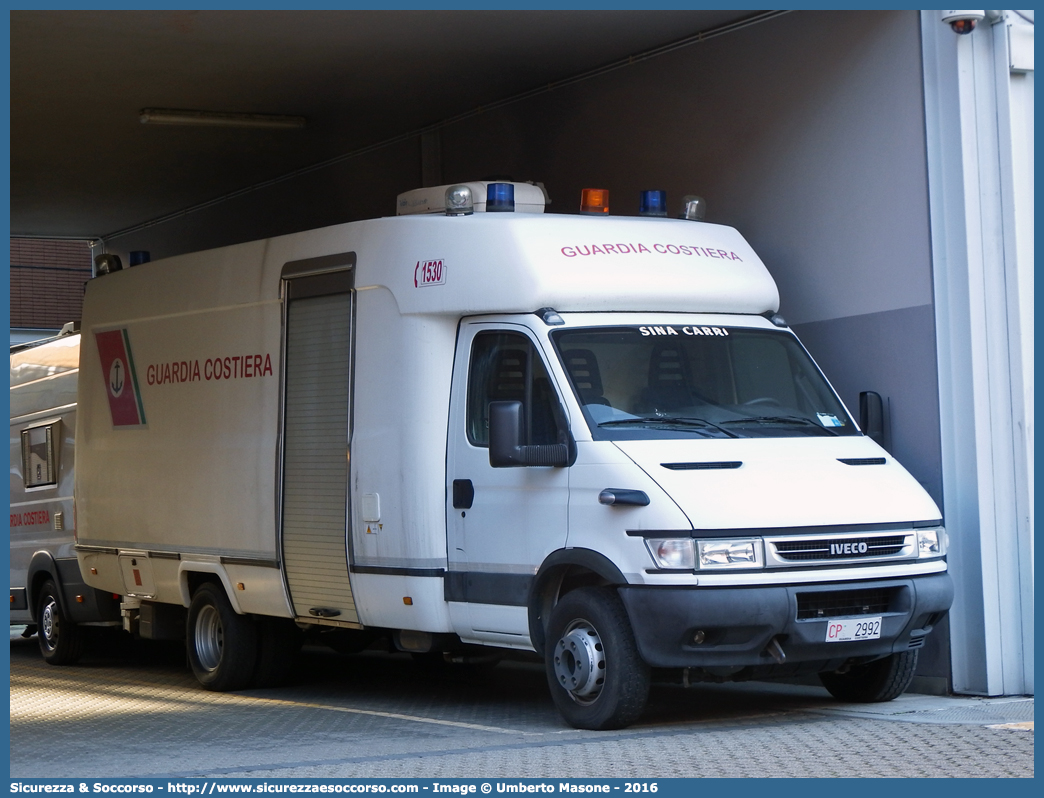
point(116, 377)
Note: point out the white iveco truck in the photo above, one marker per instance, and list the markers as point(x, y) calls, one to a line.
point(583, 435)
point(48, 596)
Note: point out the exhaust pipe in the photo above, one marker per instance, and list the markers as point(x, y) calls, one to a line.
point(775, 650)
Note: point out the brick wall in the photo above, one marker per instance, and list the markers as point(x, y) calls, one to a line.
point(47, 278)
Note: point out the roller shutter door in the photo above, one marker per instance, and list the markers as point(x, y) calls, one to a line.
point(315, 477)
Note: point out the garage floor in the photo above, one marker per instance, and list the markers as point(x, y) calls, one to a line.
point(135, 710)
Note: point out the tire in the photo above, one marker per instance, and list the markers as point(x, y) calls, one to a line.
point(597, 678)
point(278, 641)
point(61, 641)
point(880, 680)
point(222, 646)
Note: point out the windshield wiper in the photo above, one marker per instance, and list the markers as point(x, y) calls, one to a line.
point(677, 421)
point(798, 420)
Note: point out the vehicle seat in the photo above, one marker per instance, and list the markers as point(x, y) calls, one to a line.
point(508, 383)
point(583, 371)
point(669, 385)
point(508, 378)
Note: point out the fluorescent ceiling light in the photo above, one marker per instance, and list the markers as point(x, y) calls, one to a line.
point(168, 116)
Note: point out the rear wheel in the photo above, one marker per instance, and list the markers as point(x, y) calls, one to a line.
point(596, 676)
point(61, 641)
point(880, 680)
point(222, 646)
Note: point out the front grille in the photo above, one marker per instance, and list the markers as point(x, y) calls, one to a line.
point(839, 548)
point(840, 603)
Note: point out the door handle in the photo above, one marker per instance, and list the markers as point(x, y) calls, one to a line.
point(463, 494)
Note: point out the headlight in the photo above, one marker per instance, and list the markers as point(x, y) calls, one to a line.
point(931, 542)
point(672, 552)
point(746, 553)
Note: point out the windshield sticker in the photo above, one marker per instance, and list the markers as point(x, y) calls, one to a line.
point(691, 250)
point(666, 330)
point(829, 420)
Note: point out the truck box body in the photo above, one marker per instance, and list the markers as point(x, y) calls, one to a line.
point(305, 420)
point(205, 482)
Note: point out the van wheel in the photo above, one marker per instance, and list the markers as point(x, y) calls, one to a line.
point(596, 676)
point(880, 680)
point(278, 641)
point(222, 646)
point(61, 641)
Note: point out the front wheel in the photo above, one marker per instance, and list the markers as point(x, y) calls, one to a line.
point(597, 678)
point(880, 680)
point(61, 641)
point(222, 646)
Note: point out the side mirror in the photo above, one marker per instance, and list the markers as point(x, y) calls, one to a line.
point(871, 416)
point(505, 441)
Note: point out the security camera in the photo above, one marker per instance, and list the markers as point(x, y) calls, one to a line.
point(962, 22)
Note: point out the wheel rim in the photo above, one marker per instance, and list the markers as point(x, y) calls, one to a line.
point(49, 623)
point(210, 638)
point(580, 662)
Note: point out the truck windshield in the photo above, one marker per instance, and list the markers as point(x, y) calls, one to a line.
point(712, 382)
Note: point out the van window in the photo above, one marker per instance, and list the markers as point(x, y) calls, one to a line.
point(506, 366)
point(39, 454)
point(673, 381)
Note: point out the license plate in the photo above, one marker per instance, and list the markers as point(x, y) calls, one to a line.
point(853, 629)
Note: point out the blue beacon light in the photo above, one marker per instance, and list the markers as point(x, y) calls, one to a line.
point(653, 203)
point(500, 197)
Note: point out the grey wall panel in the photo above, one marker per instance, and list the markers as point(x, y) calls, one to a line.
point(806, 133)
point(893, 353)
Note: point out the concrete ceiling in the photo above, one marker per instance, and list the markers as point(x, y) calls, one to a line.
point(83, 165)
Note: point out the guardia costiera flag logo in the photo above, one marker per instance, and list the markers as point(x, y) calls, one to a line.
point(121, 382)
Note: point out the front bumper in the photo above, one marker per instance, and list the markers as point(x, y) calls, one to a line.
point(738, 624)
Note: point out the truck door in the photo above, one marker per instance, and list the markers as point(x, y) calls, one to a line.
point(502, 522)
point(316, 441)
